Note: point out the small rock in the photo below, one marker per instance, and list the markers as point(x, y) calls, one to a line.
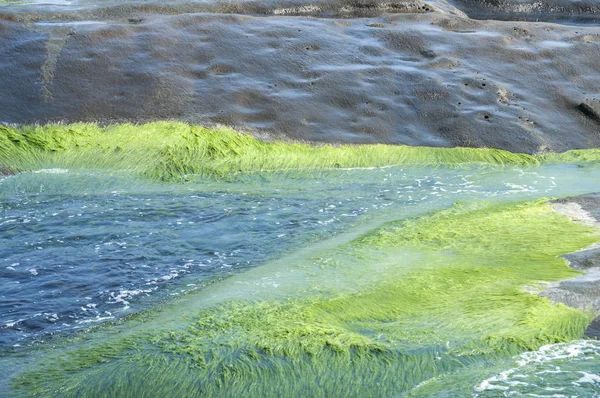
point(593, 330)
point(591, 109)
point(5, 171)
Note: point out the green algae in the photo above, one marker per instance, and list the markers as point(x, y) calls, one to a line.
point(437, 318)
point(573, 156)
point(177, 151)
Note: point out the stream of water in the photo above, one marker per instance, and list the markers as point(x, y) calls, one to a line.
point(81, 247)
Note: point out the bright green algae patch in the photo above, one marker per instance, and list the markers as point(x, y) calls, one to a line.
point(462, 308)
point(176, 151)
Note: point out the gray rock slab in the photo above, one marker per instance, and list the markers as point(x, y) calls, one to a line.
point(566, 11)
point(416, 73)
point(583, 291)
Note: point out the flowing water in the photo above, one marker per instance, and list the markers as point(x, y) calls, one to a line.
point(82, 253)
point(559, 370)
point(81, 247)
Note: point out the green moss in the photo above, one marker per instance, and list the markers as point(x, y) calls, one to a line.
point(476, 228)
point(573, 156)
point(438, 318)
point(176, 151)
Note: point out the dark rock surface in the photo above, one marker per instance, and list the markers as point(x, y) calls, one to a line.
point(593, 330)
point(584, 291)
point(566, 11)
point(405, 72)
point(591, 109)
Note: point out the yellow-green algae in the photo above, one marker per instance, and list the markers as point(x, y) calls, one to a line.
point(463, 312)
point(176, 151)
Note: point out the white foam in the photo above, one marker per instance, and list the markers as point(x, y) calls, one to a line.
point(11, 324)
point(52, 317)
point(98, 318)
point(123, 296)
point(542, 364)
point(552, 352)
point(589, 378)
point(51, 171)
point(487, 385)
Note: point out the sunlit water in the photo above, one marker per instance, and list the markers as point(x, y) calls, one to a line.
point(78, 248)
point(557, 370)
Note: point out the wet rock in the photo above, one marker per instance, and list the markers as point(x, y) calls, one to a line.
point(591, 109)
point(584, 291)
point(418, 78)
point(590, 203)
point(133, 11)
point(6, 171)
point(593, 330)
point(573, 11)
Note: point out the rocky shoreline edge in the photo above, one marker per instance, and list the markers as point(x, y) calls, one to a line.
point(582, 292)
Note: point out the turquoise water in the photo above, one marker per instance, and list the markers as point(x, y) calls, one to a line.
point(557, 370)
point(81, 248)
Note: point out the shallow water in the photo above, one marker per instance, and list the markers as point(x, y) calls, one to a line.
point(558, 370)
point(78, 248)
point(115, 242)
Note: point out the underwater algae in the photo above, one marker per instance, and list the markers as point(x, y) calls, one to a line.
point(173, 151)
point(459, 308)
